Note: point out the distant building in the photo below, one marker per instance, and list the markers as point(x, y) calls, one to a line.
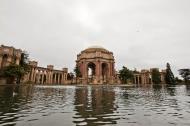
point(41, 75)
point(38, 75)
point(145, 76)
point(97, 66)
point(9, 55)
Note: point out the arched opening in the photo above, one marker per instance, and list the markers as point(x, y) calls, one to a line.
point(104, 72)
point(91, 70)
point(4, 60)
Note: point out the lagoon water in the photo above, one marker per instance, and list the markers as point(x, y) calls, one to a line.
point(94, 106)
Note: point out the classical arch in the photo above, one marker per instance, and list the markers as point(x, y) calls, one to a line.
point(96, 65)
point(91, 72)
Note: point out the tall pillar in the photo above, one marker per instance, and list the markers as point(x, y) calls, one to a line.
point(1, 59)
point(34, 75)
point(62, 78)
point(49, 77)
point(135, 79)
point(58, 78)
point(138, 80)
point(98, 71)
point(142, 78)
point(55, 79)
point(39, 76)
point(42, 77)
point(31, 73)
point(85, 74)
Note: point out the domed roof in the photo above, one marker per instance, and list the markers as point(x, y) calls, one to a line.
point(95, 48)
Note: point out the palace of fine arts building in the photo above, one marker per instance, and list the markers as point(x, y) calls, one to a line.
point(95, 64)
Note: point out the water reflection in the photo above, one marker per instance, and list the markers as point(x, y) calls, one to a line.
point(11, 100)
point(94, 105)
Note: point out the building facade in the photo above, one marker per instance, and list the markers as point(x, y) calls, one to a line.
point(9, 55)
point(97, 66)
point(41, 75)
point(37, 75)
point(144, 77)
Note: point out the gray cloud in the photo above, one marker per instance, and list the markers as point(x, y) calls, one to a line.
point(141, 33)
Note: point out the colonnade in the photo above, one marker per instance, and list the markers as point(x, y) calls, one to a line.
point(145, 77)
point(40, 75)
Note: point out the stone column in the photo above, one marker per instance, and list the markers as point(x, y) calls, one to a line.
point(138, 80)
point(42, 77)
point(39, 76)
point(47, 77)
point(85, 74)
point(1, 59)
point(98, 71)
point(65, 77)
point(111, 69)
point(31, 73)
point(135, 79)
point(58, 78)
point(50, 77)
point(55, 80)
point(142, 77)
point(34, 75)
point(62, 78)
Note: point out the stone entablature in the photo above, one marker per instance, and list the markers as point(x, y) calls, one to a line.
point(145, 76)
point(41, 75)
point(94, 53)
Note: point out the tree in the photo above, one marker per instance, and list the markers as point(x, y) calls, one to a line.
point(77, 73)
point(125, 74)
point(169, 78)
point(70, 76)
point(156, 76)
point(14, 71)
point(177, 80)
point(185, 74)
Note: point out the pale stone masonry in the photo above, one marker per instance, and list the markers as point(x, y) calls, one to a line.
point(97, 60)
point(101, 62)
point(145, 76)
point(9, 55)
point(41, 75)
point(37, 75)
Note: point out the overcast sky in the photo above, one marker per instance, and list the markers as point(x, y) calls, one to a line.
point(140, 33)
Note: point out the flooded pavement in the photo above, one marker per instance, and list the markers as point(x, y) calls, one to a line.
point(94, 105)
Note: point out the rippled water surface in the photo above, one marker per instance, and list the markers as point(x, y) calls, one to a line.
point(94, 106)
